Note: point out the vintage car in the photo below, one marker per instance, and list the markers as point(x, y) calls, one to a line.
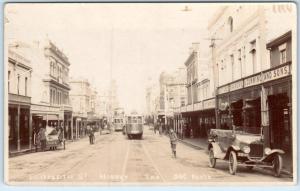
point(240, 148)
point(53, 140)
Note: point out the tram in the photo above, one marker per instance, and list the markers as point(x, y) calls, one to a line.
point(134, 126)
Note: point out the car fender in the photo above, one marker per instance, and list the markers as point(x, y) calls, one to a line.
point(270, 156)
point(218, 153)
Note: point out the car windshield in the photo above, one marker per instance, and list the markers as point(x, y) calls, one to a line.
point(51, 131)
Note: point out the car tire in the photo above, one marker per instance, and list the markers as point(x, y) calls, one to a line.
point(277, 165)
point(232, 162)
point(211, 159)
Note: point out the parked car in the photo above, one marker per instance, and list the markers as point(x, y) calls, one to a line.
point(53, 139)
point(241, 148)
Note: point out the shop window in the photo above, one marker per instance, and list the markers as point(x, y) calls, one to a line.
point(252, 114)
point(236, 112)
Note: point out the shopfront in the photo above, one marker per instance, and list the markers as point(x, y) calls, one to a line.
point(262, 103)
point(44, 115)
point(19, 123)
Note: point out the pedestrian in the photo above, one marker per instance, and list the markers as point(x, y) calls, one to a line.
point(155, 126)
point(42, 138)
point(91, 134)
point(173, 141)
point(160, 128)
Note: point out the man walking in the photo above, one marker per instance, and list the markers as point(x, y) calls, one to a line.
point(173, 141)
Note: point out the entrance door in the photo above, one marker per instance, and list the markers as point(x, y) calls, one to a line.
point(280, 128)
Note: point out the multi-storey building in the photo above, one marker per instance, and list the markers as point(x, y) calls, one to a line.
point(247, 80)
point(19, 100)
point(50, 87)
point(172, 95)
point(198, 114)
point(80, 97)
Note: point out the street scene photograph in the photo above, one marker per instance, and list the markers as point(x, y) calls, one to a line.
point(150, 94)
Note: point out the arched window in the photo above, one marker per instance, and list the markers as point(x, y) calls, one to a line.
point(230, 24)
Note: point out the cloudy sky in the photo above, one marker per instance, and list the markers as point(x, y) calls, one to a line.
point(138, 40)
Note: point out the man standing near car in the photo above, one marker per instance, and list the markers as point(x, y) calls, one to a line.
point(42, 137)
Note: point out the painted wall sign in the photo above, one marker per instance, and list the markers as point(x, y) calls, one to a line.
point(236, 85)
point(257, 79)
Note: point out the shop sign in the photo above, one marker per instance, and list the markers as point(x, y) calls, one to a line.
point(208, 104)
point(223, 89)
point(236, 85)
point(267, 76)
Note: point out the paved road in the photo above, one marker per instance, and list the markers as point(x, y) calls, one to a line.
point(115, 159)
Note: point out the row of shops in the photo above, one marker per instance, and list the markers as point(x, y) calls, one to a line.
point(261, 103)
point(26, 119)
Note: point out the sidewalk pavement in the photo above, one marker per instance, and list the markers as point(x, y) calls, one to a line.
point(197, 143)
point(32, 150)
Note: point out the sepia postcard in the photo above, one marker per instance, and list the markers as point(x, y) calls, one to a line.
point(183, 94)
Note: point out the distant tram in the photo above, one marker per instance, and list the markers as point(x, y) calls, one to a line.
point(119, 119)
point(134, 126)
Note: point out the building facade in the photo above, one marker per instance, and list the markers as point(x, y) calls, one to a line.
point(172, 95)
point(80, 97)
point(197, 117)
point(19, 101)
point(248, 75)
point(50, 87)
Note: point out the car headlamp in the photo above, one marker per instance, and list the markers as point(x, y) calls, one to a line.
point(267, 150)
point(246, 149)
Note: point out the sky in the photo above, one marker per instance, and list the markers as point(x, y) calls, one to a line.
point(138, 41)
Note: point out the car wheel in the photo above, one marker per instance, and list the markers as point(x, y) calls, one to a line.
point(212, 159)
point(129, 136)
point(232, 163)
point(277, 165)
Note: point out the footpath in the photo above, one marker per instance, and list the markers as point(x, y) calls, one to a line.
point(33, 149)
